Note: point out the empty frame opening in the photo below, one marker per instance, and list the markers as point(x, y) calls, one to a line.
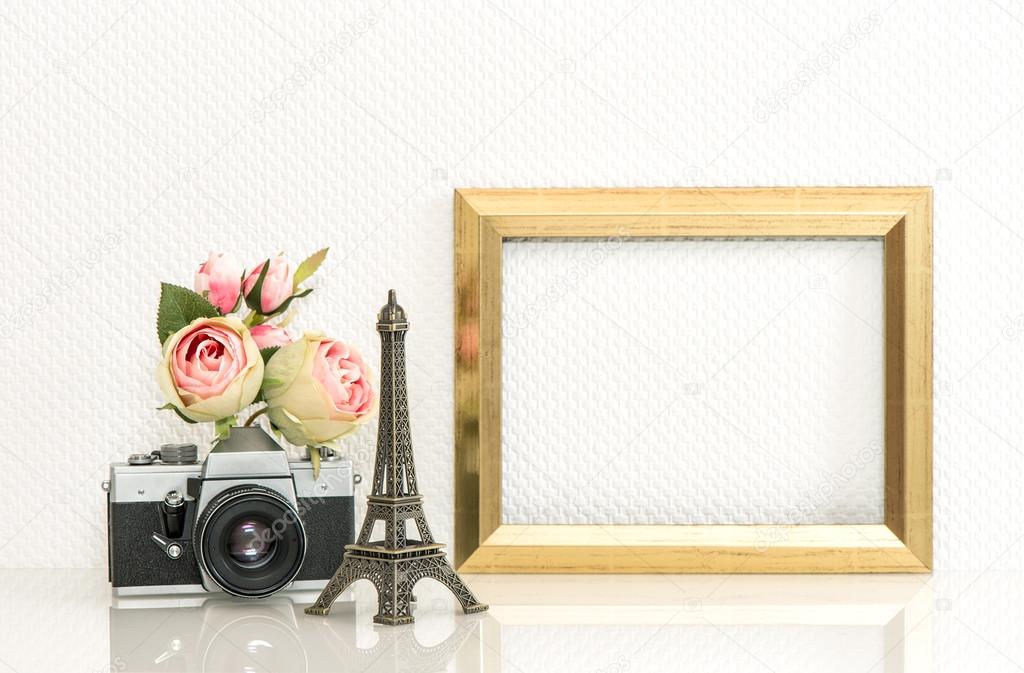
point(692, 381)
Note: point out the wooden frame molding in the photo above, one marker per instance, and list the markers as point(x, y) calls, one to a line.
point(902, 216)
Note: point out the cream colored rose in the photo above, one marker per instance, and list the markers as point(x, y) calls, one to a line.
point(318, 390)
point(211, 369)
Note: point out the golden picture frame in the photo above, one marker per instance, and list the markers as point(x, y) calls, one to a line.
point(901, 216)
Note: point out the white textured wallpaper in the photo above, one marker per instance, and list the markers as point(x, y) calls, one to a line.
point(692, 381)
point(136, 136)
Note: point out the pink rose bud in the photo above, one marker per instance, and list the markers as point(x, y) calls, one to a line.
point(219, 279)
point(277, 285)
point(268, 336)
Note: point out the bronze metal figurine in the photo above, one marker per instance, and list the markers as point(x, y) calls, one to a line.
point(397, 562)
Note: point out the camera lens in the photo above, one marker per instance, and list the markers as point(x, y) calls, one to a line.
point(250, 541)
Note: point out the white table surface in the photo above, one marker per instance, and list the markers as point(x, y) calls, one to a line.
point(67, 620)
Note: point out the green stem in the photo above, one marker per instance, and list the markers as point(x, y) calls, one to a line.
point(254, 319)
point(257, 414)
point(314, 458)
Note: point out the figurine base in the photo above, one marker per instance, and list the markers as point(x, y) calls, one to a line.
point(394, 572)
point(392, 621)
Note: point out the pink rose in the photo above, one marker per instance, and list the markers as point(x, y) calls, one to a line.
point(219, 279)
point(211, 369)
point(343, 374)
point(268, 336)
point(318, 390)
point(277, 285)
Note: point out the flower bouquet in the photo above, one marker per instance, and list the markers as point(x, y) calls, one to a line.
point(217, 361)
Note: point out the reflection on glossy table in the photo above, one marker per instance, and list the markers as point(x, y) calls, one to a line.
point(67, 620)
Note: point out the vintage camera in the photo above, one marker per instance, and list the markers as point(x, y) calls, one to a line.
point(247, 522)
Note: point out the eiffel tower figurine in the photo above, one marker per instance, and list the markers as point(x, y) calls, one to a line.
point(397, 562)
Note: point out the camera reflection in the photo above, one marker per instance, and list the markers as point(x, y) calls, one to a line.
point(209, 634)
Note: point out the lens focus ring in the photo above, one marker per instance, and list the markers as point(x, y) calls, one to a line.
point(245, 567)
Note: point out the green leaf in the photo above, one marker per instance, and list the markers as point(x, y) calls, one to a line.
point(308, 267)
point(178, 412)
point(178, 307)
point(254, 298)
point(268, 353)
